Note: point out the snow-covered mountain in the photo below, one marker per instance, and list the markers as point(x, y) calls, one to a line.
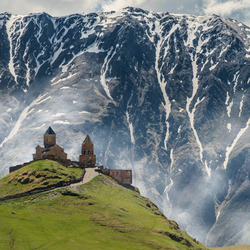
point(163, 94)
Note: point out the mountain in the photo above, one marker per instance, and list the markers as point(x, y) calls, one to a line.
point(100, 214)
point(162, 94)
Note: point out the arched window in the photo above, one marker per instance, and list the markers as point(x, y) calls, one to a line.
point(89, 152)
point(84, 152)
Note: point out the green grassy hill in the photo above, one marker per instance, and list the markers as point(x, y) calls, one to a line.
point(100, 214)
point(37, 175)
point(232, 248)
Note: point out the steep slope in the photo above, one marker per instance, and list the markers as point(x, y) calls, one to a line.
point(98, 215)
point(164, 94)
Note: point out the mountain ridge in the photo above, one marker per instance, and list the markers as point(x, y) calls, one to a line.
point(165, 95)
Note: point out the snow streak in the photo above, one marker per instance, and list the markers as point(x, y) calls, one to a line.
point(227, 99)
point(195, 81)
point(104, 70)
point(168, 187)
point(130, 125)
point(131, 128)
point(241, 104)
point(229, 108)
point(172, 159)
point(230, 148)
point(9, 29)
point(161, 43)
point(236, 78)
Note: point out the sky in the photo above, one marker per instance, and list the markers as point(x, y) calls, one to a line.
point(236, 9)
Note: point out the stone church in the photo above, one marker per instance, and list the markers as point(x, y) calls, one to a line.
point(54, 152)
point(50, 150)
point(87, 157)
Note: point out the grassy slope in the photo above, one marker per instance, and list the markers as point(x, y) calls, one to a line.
point(36, 175)
point(232, 248)
point(98, 215)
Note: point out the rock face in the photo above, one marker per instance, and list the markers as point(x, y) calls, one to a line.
point(165, 95)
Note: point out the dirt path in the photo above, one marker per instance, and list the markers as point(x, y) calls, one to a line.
point(89, 175)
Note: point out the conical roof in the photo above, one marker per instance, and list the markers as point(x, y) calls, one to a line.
point(87, 140)
point(50, 131)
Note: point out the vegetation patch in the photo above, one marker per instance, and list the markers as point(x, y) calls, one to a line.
point(39, 174)
point(100, 214)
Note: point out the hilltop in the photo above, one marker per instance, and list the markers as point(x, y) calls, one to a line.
point(37, 176)
point(100, 214)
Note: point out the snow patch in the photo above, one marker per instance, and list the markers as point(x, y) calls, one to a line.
point(61, 122)
point(230, 148)
point(59, 114)
point(84, 112)
point(104, 70)
point(167, 188)
point(172, 159)
point(236, 78)
point(54, 82)
point(131, 128)
point(94, 48)
point(162, 43)
point(213, 66)
point(192, 35)
point(179, 130)
point(65, 87)
point(229, 108)
point(10, 30)
point(227, 98)
point(241, 104)
point(27, 75)
point(191, 114)
point(38, 128)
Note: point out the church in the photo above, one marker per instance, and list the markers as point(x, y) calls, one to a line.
point(50, 150)
point(87, 159)
point(53, 151)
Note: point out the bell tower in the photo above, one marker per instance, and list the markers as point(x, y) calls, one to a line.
point(49, 138)
point(87, 157)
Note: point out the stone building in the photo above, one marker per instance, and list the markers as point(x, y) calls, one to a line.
point(88, 157)
point(122, 176)
point(50, 150)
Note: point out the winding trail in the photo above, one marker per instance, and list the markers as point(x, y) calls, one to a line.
point(89, 175)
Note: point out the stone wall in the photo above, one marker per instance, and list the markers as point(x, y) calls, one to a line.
point(122, 176)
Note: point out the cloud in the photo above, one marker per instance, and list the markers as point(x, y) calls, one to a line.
point(53, 7)
point(225, 8)
point(64, 7)
point(238, 9)
point(120, 4)
point(177, 6)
